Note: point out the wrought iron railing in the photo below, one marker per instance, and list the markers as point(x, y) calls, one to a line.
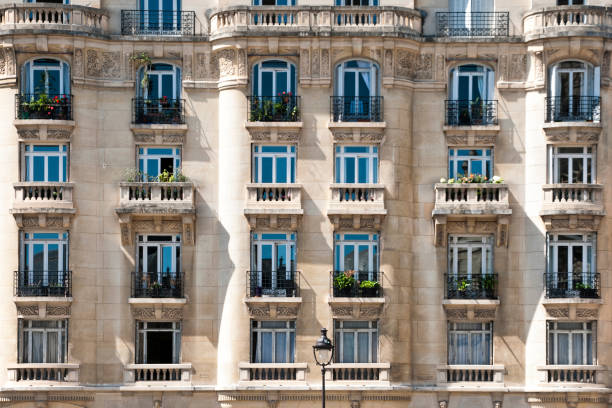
point(463, 112)
point(157, 285)
point(273, 283)
point(280, 108)
point(572, 285)
point(463, 286)
point(474, 24)
point(356, 284)
point(356, 108)
point(157, 22)
point(158, 111)
point(43, 283)
point(43, 106)
point(573, 109)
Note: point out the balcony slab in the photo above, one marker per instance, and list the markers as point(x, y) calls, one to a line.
point(358, 307)
point(359, 373)
point(159, 134)
point(274, 205)
point(157, 308)
point(157, 374)
point(560, 133)
point(573, 308)
point(470, 309)
point(572, 376)
point(357, 132)
point(34, 307)
point(485, 135)
point(33, 130)
point(265, 374)
point(274, 132)
point(273, 307)
point(51, 373)
point(356, 206)
point(471, 374)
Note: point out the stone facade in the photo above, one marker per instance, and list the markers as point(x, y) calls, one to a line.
point(216, 211)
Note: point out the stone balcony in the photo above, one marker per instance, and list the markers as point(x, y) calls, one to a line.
point(356, 206)
point(274, 205)
point(471, 208)
point(50, 17)
point(564, 21)
point(44, 373)
point(572, 375)
point(179, 374)
point(315, 20)
point(572, 206)
point(471, 373)
point(43, 204)
point(355, 373)
point(156, 207)
point(265, 373)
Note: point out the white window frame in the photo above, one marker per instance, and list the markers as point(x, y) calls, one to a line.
point(256, 336)
point(145, 156)
point(372, 69)
point(488, 78)
point(344, 240)
point(372, 329)
point(589, 266)
point(259, 155)
point(486, 328)
point(62, 242)
point(555, 156)
point(174, 243)
point(149, 5)
point(28, 162)
point(259, 67)
point(258, 241)
point(571, 3)
point(30, 75)
point(588, 328)
point(485, 159)
point(156, 75)
point(590, 78)
point(25, 328)
point(176, 331)
point(455, 243)
point(371, 156)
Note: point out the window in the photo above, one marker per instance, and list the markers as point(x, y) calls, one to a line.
point(45, 76)
point(274, 2)
point(356, 92)
point(470, 255)
point(572, 164)
point(273, 164)
point(158, 342)
point(356, 2)
point(356, 341)
point(470, 17)
point(571, 343)
point(472, 83)
point(49, 1)
point(273, 264)
point(470, 343)
point(161, 15)
point(152, 161)
point(571, 260)
point(570, 2)
point(43, 341)
point(273, 77)
point(357, 164)
point(159, 259)
point(44, 258)
point(272, 341)
point(164, 83)
point(463, 162)
point(574, 92)
point(357, 252)
point(45, 163)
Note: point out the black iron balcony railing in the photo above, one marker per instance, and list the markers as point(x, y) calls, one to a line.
point(575, 285)
point(280, 108)
point(157, 285)
point(356, 284)
point(273, 283)
point(356, 108)
point(43, 283)
point(157, 22)
point(474, 24)
point(462, 286)
point(43, 106)
point(463, 112)
point(158, 111)
point(573, 109)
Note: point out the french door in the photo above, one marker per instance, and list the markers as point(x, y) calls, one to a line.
point(359, 253)
point(160, 15)
point(159, 259)
point(44, 261)
point(273, 264)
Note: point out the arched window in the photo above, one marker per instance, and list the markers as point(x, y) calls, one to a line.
point(164, 81)
point(45, 76)
point(356, 92)
point(274, 88)
point(471, 93)
point(573, 92)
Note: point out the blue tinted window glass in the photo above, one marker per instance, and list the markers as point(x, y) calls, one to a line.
point(39, 82)
point(267, 86)
point(477, 167)
point(338, 176)
point(46, 61)
point(266, 170)
point(162, 67)
point(464, 88)
point(46, 235)
point(152, 168)
point(64, 172)
point(281, 170)
point(53, 168)
point(256, 72)
point(463, 152)
point(356, 149)
point(451, 168)
point(167, 87)
point(451, 152)
point(364, 84)
point(54, 82)
point(337, 258)
point(281, 82)
point(39, 169)
point(356, 237)
point(274, 149)
point(160, 151)
point(375, 171)
point(274, 64)
point(141, 165)
point(27, 169)
point(363, 170)
point(274, 236)
point(293, 170)
point(349, 169)
point(349, 84)
point(46, 148)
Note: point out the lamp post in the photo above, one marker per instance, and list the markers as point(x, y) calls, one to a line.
point(323, 351)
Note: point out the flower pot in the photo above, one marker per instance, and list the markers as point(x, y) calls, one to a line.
point(344, 292)
point(369, 292)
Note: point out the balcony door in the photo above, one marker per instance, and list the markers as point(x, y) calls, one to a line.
point(470, 255)
point(160, 15)
point(273, 263)
point(45, 76)
point(44, 260)
point(466, 19)
point(159, 259)
point(164, 83)
point(152, 161)
point(357, 83)
point(570, 85)
point(471, 93)
point(571, 260)
point(359, 253)
point(273, 78)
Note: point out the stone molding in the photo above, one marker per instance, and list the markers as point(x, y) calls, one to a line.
point(571, 222)
point(357, 132)
point(36, 219)
point(151, 309)
point(499, 227)
point(356, 308)
point(274, 132)
point(281, 308)
point(560, 133)
point(270, 206)
point(159, 134)
point(35, 130)
point(331, 395)
point(356, 206)
point(573, 308)
point(471, 309)
point(471, 135)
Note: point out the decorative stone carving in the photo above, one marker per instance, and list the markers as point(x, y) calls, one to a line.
point(518, 67)
point(370, 311)
point(479, 227)
point(202, 65)
point(424, 68)
point(484, 139)
point(325, 65)
point(7, 61)
point(502, 67)
point(456, 139)
point(172, 313)
point(405, 64)
point(304, 62)
point(27, 310)
point(242, 63)
point(187, 66)
point(440, 70)
point(227, 61)
point(143, 312)
point(342, 310)
point(173, 139)
point(539, 66)
point(103, 64)
point(315, 70)
point(558, 312)
point(261, 136)
point(443, 404)
point(58, 134)
point(144, 137)
point(28, 133)
point(456, 314)
point(259, 310)
point(558, 137)
point(587, 313)
point(284, 223)
point(605, 65)
point(343, 137)
point(58, 310)
point(484, 313)
point(588, 137)
point(289, 136)
point(262, 223)
point(286, 311)
point(77, 65)
point(388, 65)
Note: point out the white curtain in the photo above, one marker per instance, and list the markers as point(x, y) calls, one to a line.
point(482, 5)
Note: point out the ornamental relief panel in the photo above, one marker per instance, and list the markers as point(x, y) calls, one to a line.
point(103, 64)
point(7, 62)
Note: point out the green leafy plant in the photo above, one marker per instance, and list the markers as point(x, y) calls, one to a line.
point(489, 282)
point(345, 280)
point(464, 285)
point(580, 285)
point(367, 284)
point(472, 178)
point(131, 175)
point(167, 177)
point(142, 60)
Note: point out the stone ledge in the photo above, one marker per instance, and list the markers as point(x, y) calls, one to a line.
point(471, 374)
point(44, 373)
point(471, 135)
point(573, 308)
point(34, 307)
point(359, 373)
point(583, 376)
point(273, 132)
point(157, 308)
point(357, 132)
point(273, 307)
point(365, 308)
point(159, 134)
point(157, 373)
point(471, 309)
point(31, 130)
point(572, 132)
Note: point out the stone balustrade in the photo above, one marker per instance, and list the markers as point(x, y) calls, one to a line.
point(241, 19)
point(49, 16)
point(568, 21)
point(44, 372)
point(38, 194)
point(154, 193)
point(157, 372)
point(582, 374)
point(358, 372)
point(563, 199)
point(275, 196)
point(273, 371)
point(471, 199)
point(471, 373)
point(363, 195)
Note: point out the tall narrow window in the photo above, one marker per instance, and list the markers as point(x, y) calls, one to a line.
point(359, 253)
point(159, 266)
point(356, 341)
point(45, 163)
point(571, 264)
point(574, 92)
point(463, 162)
point(46, 76)
point(357, 164)
point(470, 16)
point(570, 2)
point(357, 3)
point(273, 164)
point(571, 343)
point(272, 341)
point(273, 77)
point(472, 89)
point(470, 255)
point(158, 343)
point(160, 16)
point(44, 262)
point(43, 341)
point(152, 161)
point(274, 2)
point(356, 92)
point(573, 165)
point(164, 82)
point(159, 96)
point(273, 264)
point(470, 343)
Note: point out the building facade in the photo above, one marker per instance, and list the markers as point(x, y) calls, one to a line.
point(193, 189)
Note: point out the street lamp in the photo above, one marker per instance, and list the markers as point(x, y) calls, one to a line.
point(323, 351)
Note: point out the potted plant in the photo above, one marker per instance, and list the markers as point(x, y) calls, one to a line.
point(344, 284)
point(156, 289)
point(489, 282)
point(463, 288)
point(369, 288)
point(586, 290)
